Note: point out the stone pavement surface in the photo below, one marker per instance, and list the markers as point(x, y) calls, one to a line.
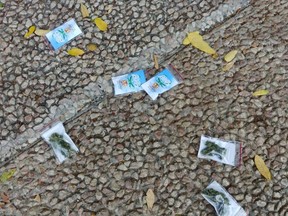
point(130, 144)
point(39, 85)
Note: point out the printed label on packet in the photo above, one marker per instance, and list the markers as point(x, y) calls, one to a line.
point(63, 34)
point(129, 82)
point(160, 83)
point(223, 203)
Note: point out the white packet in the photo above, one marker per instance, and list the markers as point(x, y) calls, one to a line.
point(129, 82)
point(63, 34)
point(223, 203)
point(227, 152)
point(162, 82)
point(59, 140)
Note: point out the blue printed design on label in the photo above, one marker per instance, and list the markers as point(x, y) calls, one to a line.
point(162, 82)
point(129, 82)
point(63, 34)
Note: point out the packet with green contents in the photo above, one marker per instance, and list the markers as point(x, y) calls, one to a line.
point(223, 203)
point(60, 141)
point(227, 152)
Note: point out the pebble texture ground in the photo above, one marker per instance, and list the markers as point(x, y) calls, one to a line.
point(39, 85)
point(130, 144)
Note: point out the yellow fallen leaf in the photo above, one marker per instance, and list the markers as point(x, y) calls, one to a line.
point(37, 198)
point(101, 24)
point(156, 64)
point(230, 56)
point(261, 166)
point(84, 11)
point(75, 52)
point(150, 198)
point(197, 41)
point(228, 66)
point(7, 175)
point(261, 92)
point(91, 47)
point(31, 30)
point(215, 55)
point(41, 32)
point(186, 41)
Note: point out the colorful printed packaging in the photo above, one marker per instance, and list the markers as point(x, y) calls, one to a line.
point(222, 201)
point(129, 82)
point(227, 152)
point(63, 34)
point(162, 82)
point(59, 140)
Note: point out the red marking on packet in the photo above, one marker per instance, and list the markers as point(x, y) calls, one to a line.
point(48, 125)
point(176, 70)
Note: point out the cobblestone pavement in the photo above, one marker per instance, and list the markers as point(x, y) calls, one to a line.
point(129, 144)
point(39, 86)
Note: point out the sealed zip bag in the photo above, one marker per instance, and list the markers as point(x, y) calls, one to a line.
point(223, 203)
point(162, 82)
point(227, 152)
point(60, 141)
point(129, 83)
point(61, 35)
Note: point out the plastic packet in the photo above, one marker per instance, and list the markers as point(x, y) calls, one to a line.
point(227, 152)
point(162, 82)
point(223, 203)
point(61, 35)
point(59, 140)
point(129, 82)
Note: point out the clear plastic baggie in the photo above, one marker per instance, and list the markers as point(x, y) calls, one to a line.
point(60, 141)
point(227, 152)
point(162, 82)
point(223, 203)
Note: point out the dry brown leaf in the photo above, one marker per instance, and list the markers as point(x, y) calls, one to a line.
point(84, 11)
point(228, 66)
point(156, 64)
point(91, 47)
point(101, 24)
point(109, 9)
point(41, 32)
point(150, 198)
point(230, 56)
point(5, 198)
point(75, 52)
point(37, 198)
point(261, 92)
point(31, 30)
point(261, 166)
